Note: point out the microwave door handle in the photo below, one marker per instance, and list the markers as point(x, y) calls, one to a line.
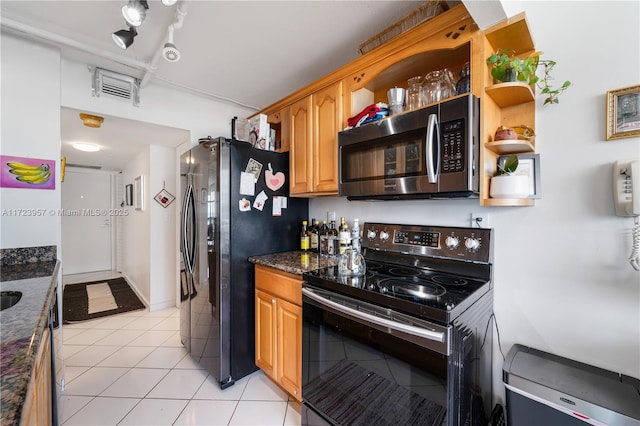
point(433, 144)
point(364, 316)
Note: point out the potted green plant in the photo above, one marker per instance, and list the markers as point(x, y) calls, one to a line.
point(507, 67)
point(507, 184)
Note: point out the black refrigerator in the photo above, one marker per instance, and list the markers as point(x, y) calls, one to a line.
point(235, 204)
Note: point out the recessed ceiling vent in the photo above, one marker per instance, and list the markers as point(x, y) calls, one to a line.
point(115, 84)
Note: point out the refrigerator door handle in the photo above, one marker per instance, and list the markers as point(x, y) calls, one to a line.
point(188, 241)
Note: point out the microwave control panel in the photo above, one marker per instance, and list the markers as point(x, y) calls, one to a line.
point(453, 146)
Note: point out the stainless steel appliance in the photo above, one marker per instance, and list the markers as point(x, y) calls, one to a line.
point(407, 343)
point(432, 152)
point(546, 389)
point(222, 225)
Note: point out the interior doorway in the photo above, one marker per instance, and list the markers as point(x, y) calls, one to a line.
point(87, 223)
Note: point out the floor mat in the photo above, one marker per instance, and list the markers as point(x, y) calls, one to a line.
point(85, 301)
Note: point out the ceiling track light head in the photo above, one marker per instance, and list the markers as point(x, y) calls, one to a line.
point(124, 38)
point(135, 12)
point(169, 51)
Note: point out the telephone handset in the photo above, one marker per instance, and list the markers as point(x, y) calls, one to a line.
point(626, 196)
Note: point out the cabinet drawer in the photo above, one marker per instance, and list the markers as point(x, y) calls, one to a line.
point(280, 284)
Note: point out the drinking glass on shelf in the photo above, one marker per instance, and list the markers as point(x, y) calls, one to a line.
point(414, 92)
point(438, 85)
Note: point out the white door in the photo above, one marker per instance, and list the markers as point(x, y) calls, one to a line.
point(86, 223)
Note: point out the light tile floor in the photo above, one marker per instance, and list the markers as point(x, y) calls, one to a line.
point(132, 369)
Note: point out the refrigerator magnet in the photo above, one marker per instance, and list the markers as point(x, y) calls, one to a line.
point(258, 204)
point(244, 205)
point(247, 184)
point(277, 206)
point(274, 181)
point(254, 167)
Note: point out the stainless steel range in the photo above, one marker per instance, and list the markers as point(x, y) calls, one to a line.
point(408, 342)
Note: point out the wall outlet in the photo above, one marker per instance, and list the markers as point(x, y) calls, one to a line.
point(479, 220)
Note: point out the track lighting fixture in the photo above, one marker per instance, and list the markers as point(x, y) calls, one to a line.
point(135, 11)
point(124, 38)
point(169, 51)
point(169, 2)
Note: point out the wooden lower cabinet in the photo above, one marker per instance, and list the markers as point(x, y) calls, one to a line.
point(37, 409)
point(279, 328)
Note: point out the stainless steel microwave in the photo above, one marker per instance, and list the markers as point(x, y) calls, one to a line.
point(432, 152)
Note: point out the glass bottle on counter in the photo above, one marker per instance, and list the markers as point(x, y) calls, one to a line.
point(323, 236)
point(343, 236)
point(304, 237)
point(315, 239)
point(355, 236)
point(332, 243)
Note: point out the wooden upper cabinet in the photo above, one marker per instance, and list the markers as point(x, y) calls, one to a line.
point(300, 160)
point(314, 123)
point(327, 122)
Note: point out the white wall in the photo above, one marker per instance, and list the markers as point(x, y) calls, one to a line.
point(561, 276)
point(136, 231)
point(30, 127)
point(163, 242)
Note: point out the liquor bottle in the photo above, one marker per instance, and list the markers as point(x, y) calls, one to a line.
point(304, 237)
point(315, 239)
point(344, 236)
point(355, 236)
point(332, 243)
point(323, 235)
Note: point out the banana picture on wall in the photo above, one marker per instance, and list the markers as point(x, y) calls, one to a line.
point(23, 172)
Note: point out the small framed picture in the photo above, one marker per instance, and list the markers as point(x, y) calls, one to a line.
point(164, 198)
point(128, 194)
point(623, 113)
point(529, 165)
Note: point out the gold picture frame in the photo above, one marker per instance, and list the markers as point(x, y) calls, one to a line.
point(623, 113)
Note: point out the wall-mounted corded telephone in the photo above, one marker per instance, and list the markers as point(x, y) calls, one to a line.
point(626, 199)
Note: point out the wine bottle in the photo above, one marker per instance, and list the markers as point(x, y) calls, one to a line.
point(344, 236)
point(323, 235)
point(304, 237)
point(332, 243)
point(315, 240)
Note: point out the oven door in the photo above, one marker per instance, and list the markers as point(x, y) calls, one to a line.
point(368, 365)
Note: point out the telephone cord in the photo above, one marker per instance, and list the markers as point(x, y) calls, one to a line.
point(634, 258)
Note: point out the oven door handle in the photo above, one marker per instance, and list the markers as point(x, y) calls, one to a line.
point(415, 331)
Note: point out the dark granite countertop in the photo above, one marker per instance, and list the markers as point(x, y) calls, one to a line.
point(294, 262)
point(21, 329)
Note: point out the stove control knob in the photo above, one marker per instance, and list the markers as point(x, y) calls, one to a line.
point(384, 236)
point(371, 234)
point(452, 242)
point(472, 243)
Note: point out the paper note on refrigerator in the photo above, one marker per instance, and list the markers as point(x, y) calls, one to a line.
point(260, 200)
point(247, 184)
point(279, 203)
point(277, 207)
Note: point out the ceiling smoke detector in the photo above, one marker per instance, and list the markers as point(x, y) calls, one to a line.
point(170, 52)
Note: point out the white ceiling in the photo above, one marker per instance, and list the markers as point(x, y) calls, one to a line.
point(249, 52)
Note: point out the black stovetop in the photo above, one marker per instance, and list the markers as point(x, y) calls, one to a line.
point(430, 283)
